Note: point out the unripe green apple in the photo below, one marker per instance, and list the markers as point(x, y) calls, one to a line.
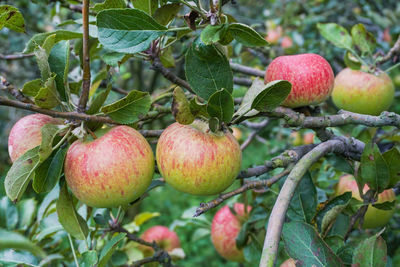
point(194, 160)
point(166, 239)
point(374, 217)
point(363, 92)
point(225, 228)
point(26, 134)
point(112, 170)
point(311, 77)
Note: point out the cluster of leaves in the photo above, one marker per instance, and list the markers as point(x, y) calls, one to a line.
point(314, 234)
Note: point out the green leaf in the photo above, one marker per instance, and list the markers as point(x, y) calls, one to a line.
point(345, 253)
point(148, 6)
point(109, 249)
point(330, 212)
point(181, 107)
point(221, 105)
point(272, 96)
point(16, 241)
point(392, 158)
point(304, 201)
point(130, 108)
point(336, 34)
point(11, 18)
point(20, 174)
point(303, 243)
point(340, 163)
point(387, 205)
point(99, 100)
point(213, 33)
point(198, 108)
point(42, 60)
point(49, 172)
point(113, 59)
point(371, 253)
point(214, 124)
point(12, 258)
point(89, 258)
point(246, 35)
point(127, 30)
point(31, 88)
point(59, 64)
point(8, 214)
point(374, 169)
point(207, 70)
point(38, 39)
point(252, 253)
point(69, 218)
point(167, 58)
point(47, 97)
point(26, 212)
point(48, 132)
point(362, 39)
point(334, 242)
point(245, 107)
point(143, 217)
point(351, 61)
point(166, 13)
point(109, 4)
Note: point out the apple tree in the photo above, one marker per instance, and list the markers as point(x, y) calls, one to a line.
point(274, 134)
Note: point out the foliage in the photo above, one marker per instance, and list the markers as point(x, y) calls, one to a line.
point(41, 222)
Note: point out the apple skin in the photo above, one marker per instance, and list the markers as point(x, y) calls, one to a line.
point(374, 217)
point(286, 42)
point(362, 92)
point(310, 74)
point(224, 229)
point(308, 138)
point(167, 240)
point(289, 263)
point(194, 160)
point(112, 170)
point(26, 134)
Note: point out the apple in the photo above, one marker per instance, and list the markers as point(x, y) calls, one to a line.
point(237, 133)
point(308, 138)
point(362, 92)
point(289, 263)
point(310, 74)
point(386, 36)
point(374, 217)
point(224, 229)
point(296, 139)
point(286, 42)
point(112, 170)
point(273, 35)
point(194, 160)
point(166, 239)
point(396, 80)
point(26, 134)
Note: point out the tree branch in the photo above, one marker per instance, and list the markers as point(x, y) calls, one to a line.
point(4, 85)
point(296, 119)
point(242, 81)
point(204, 207)
point(392, 52)
point(160, 255)
point(15, 56)
point(247, 70)
point(340, 145)
point(86, 59)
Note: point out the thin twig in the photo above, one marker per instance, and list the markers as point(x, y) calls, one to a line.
point(5, 85)
point(16, 56)
point(242, 81)
point(86, 59)
point(204, 207)
point(247, 70)
point(392, 52)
